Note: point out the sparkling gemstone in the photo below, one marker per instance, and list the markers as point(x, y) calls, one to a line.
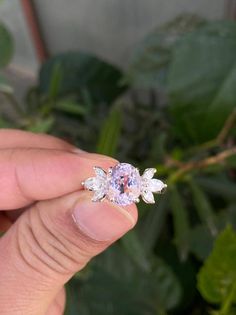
point(98, 185)
point(148, 197)
point(156, 185)
point(149, 173)
point(99, 172)
point(90, 183)
point(99, 195)
point(124, 185)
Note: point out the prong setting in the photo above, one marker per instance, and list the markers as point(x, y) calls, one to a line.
point(110, 170)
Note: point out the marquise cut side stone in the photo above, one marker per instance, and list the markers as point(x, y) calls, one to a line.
point(90, 183)
point(148, 197)
point(99, 172)
point(156, 185)
point(149, 173)
point(98, 196)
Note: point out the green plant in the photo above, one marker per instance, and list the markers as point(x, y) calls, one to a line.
point(6, 52)
point(184, 124)
point(217, 278)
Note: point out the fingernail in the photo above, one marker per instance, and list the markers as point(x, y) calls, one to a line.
point(102, 221)
point(78, 151)
point(94, 156)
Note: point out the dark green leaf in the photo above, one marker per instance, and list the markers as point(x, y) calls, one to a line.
point(69, 106)
point(135, 249)
point(181, 223)
point(4, 123)
point(116, 286)
point(219, 186)
point(202, 240)
point(203, 207)
point(73, 306)
point(43, 125)
point(150, 63)
point(152, 224)
point(231, 162)
point(6, 46)
point(185, 271)
point(217, 277)
point(55, 81)
point(77, 72)
point(168, 288)
point(110, 133)
point(201, 83)
point(4, 85)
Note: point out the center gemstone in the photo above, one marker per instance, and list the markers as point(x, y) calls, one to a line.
point(124, 184)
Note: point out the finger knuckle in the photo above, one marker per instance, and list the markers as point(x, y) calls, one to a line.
point(53, 249)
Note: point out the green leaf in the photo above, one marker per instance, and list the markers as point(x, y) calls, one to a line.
point(76, 72)
point(135, 249)
point(55, 82)
point(168, 289)
point(231, 161)
point(41, 125)
point(185, 271)
point(4, 85)
point(4, 123)
point(181, 223)
point(202, 240)
point(117, 286)
point(110, 133)
point(152, 224)
point(203, 207)
point(6, 46)
point(218, 186)
point(150, 63)
point(201, 84)
point(217, 277)
point(72, 305)
point(69, 106)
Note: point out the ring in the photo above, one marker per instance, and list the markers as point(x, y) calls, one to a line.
point(123, 184)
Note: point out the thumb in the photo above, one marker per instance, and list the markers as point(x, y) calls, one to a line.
point(50, 242)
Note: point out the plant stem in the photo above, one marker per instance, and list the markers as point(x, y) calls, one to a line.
point(226, 128)
point(226, 306)
point(188, 167)
point(228, 125)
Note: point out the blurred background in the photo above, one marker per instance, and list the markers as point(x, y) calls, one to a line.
point(152, 83)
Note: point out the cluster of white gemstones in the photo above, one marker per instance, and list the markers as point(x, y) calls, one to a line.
point(123, 184)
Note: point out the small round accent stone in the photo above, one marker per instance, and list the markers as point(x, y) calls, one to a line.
point(124, 184)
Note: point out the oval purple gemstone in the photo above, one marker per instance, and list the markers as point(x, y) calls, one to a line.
point(124, 185)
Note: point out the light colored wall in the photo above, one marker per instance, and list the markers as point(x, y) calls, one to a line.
point(13, 17)
point(110, 28)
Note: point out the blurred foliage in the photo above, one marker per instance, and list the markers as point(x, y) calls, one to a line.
point(178, 114)
point(201, 99)
point(6, 52)
point(153, 55)
point(217, 278)
point(6, 46)
point(77, 74)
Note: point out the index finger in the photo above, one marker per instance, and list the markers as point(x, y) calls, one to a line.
point(29, 175)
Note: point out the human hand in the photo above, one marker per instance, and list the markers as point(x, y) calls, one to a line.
point(44, 246)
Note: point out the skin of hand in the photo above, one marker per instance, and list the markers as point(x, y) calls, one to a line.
point(52, 228)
